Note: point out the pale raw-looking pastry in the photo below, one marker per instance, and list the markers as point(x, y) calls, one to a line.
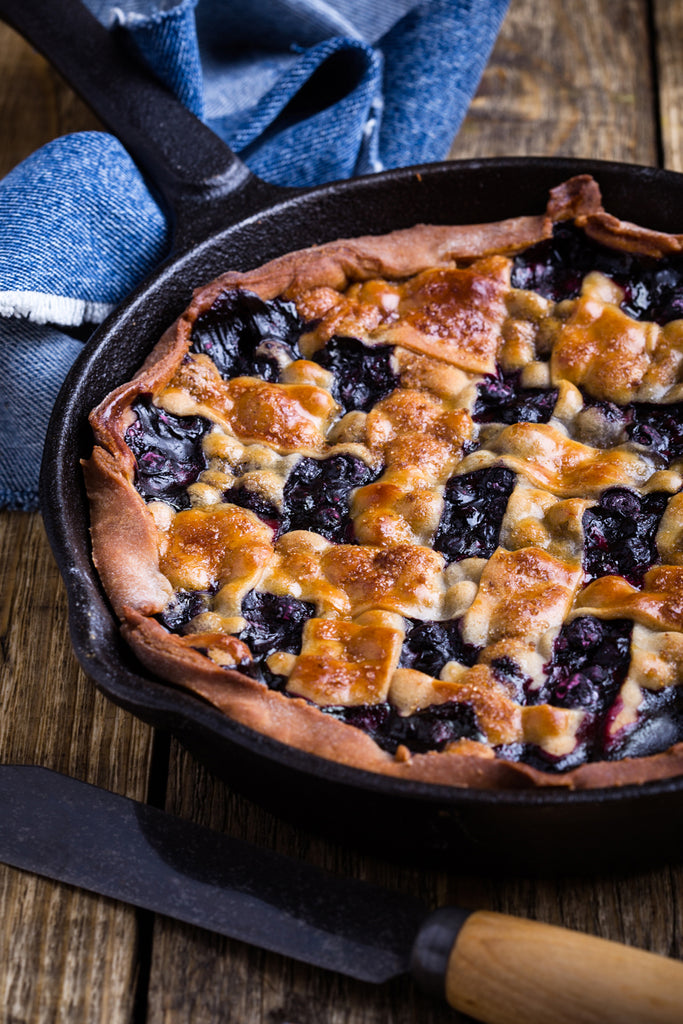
point(413, 502)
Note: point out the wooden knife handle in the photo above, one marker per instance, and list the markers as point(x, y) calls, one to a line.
point(505, 970)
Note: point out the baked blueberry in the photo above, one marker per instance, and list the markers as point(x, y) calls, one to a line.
point(317, 494)
point(362, 374)
point(474, 506)
point(658, 725)
point(503, 400)
point(429, 645)
point(590, 660)
point(246, 498)
point(246, 336)
point(653, 289)
point(168, 453)
point(619, 533)
point(274, 623)
point(657, 427)
point(430, 729)
point(184, 606)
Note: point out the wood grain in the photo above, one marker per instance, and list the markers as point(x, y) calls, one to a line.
point(55, 940)
point(503, 970)
point(565, 79)
point(36, 106)
point(668, 26)
point(574, 79)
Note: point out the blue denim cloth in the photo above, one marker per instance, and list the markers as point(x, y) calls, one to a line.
point(78, 226)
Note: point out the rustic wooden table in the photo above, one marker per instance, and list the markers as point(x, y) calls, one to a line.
point(594, 78)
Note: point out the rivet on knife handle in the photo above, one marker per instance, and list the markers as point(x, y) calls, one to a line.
point(505, 970)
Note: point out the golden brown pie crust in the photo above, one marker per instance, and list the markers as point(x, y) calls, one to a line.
point(442, 296)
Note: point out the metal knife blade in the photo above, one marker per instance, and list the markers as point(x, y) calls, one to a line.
point(74, 832)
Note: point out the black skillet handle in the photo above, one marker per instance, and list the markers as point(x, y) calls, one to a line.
point(203, 183)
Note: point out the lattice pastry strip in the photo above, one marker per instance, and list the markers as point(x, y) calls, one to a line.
point(500, 718)
point(531, 515)
point(536, 518)
point(614, 357)
point(656, 658)
point(405, 495)
point(521, 593)
point(346, 662)
point(289, 417)
point(658, 604)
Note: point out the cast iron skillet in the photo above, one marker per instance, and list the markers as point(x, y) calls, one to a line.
point(225, 218)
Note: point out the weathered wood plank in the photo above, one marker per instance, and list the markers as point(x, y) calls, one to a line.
point(36, 105)
point(65, 956)
point(576, 82)
point(564, 79)
point(668, 20)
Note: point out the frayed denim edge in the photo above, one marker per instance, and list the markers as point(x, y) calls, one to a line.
point(42, 308)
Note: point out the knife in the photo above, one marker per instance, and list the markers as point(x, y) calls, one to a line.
point(496, 968)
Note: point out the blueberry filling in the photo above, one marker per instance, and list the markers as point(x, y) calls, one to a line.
point(428, 646)
point(168, 452)
point(502, 400)
point(589, 663)
point(619, 534)
point(508, 672)
point(555, 268)
point(537, 757)
point(245, 336)
point(654, 290)
point(430, 729)
point(362, 374)
point(316, 495)
point(274, 623)
point(659, 724)
point(253, 501)
point(474, 506)
point(184, 606)
point(590, 658)
point(657, 427)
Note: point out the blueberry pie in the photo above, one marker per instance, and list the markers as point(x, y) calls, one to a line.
point(414, 503)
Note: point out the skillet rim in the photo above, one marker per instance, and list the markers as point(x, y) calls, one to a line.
point(134, 688)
